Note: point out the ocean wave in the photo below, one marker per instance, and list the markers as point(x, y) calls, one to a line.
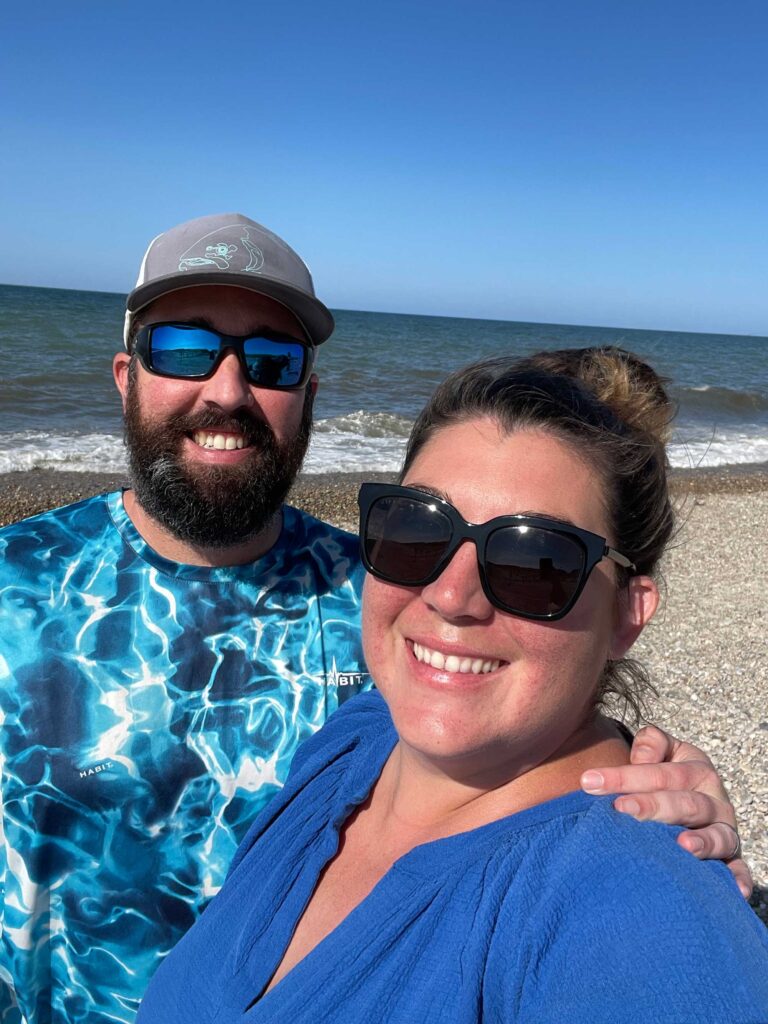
point(713, 398)
point(718, 450)
point(366, 424)
point(342, 449)
point(354, 453)
point(83, 453)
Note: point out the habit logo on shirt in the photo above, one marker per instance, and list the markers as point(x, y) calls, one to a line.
point(337, 678)
point(95, 769)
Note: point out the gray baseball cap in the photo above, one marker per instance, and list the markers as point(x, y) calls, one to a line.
point(228, 248)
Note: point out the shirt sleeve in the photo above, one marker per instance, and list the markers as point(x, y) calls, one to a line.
point(641, 931)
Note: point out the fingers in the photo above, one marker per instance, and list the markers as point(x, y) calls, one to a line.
point(743, 876)
point(651, 746)
point(637, 779)
point(678, 807)
point(720, 842)
point(711, 839)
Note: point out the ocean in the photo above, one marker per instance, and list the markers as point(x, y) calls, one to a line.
point(59, 408)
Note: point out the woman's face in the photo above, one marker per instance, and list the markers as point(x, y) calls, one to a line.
point(543, 675)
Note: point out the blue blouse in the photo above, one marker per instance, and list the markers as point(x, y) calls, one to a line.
point(567, 912)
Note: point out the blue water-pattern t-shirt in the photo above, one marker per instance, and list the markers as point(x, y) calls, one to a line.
point(148, 711)
point(566, 913)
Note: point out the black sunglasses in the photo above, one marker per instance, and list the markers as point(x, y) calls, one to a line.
point(529, 565)
point(187, 352)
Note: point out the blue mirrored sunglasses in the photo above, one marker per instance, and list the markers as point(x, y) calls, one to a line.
point(187, 352)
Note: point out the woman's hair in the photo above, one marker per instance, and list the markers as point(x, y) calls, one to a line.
point(614, 412)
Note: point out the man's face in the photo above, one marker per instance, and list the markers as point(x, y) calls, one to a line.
point(213, 460)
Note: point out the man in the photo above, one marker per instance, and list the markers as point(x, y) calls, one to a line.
point(164, 651)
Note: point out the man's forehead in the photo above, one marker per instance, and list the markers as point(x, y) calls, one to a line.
point(227, 309)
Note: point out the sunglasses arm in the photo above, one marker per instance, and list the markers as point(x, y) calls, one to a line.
point(622, 560)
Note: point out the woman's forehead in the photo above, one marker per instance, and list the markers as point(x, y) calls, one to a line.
point(484, 471)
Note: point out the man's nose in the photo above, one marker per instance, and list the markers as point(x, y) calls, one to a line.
point(228, 388)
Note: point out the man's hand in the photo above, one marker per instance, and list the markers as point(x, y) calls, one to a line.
point(676, 783)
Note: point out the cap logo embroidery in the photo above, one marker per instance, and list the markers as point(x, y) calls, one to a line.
point(223, 254)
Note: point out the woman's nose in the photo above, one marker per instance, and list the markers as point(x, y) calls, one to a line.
point(457, 592)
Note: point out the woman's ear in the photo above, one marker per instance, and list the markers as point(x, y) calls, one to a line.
point(637, 604)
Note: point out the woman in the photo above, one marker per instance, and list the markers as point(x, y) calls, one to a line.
point(431, 858)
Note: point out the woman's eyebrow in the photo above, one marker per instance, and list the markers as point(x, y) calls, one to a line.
point(537, 514)
point(434, 491)
point(530, 513)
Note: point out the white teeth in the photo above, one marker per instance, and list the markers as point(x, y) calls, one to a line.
point(435, 659)
point(452, 663)
point(220, 442)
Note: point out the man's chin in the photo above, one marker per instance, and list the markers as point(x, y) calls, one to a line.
point(211, 497)
point(213, 506)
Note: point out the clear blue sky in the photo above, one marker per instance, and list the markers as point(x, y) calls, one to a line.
point(574, 161)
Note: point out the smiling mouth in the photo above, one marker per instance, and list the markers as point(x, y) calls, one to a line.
point(454, 662)
point(220, 442)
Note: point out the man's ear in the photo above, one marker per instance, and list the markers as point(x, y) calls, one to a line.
point(313, 383)
point(120, 365)
point(637, 604)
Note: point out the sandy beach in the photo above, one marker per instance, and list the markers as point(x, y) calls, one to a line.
point(706, 649)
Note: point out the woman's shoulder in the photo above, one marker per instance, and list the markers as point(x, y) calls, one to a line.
point(620, 919)
point(600, 853)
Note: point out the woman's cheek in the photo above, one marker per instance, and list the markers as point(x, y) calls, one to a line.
point(382, 603)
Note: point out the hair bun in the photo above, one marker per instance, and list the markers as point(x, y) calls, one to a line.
point(624, 382)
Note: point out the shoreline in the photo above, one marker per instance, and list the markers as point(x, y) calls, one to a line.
point(329, 496)
point(705, 650)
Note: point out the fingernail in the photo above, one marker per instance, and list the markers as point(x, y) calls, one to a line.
point(694, 844)
point(628, 806)
point(745, 892)
point(592, 781)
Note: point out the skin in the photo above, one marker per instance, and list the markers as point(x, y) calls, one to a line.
point(687, 791)
point(474, 747)
point(684, 790)
point(474, 734)
point(234, 311)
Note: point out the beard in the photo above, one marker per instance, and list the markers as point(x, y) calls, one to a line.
point(211, 506)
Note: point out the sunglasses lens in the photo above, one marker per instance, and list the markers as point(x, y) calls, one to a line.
point(274, 364)
point(532, 570)
point(405, 539)
point(182, 351)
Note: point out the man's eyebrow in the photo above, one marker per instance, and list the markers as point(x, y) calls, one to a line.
point(261, 330)
point(199, 321)
point(187, 321)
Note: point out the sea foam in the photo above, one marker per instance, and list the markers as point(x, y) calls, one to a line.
point(355, 443)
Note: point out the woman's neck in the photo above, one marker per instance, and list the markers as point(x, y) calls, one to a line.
point(424, 799)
